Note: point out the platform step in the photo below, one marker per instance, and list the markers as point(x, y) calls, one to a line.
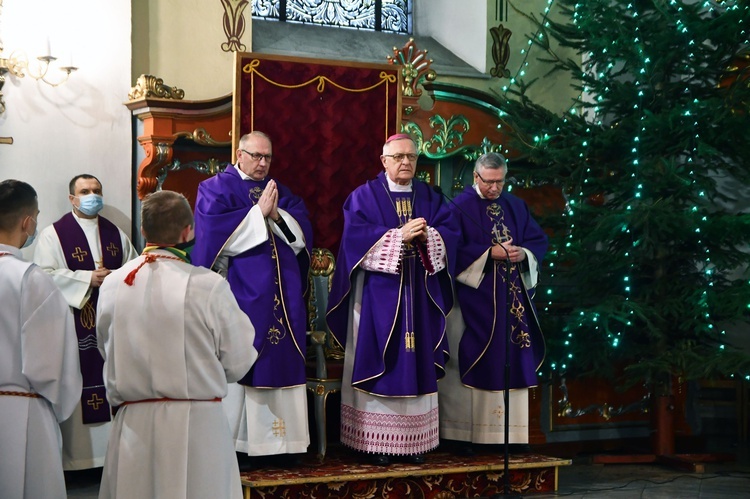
point(345, 475)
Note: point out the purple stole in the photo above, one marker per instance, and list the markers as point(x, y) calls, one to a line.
point(75, 247)
point(401, 345)
point(481, 351)
point(268, 281)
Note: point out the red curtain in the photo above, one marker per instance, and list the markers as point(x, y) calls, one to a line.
point(327, 120)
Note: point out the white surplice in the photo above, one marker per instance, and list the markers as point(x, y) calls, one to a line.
point(38, 354)
point(265, 421)
point(177, 333)
point(470, 414)
point(84, 445)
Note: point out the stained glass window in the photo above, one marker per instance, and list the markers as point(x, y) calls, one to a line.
point(392, 16)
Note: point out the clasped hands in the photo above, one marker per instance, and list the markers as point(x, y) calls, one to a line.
point(414, 229)
point(269, 201)
point(98, 275)
point(515, 253)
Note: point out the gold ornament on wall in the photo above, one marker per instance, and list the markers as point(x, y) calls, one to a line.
point(150, 86)
point(234, 25)
point(416, 67)
point(500, 51)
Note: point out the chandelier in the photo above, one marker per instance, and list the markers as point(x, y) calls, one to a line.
point(17, 64)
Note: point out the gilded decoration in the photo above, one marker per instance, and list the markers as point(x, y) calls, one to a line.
point(500, 51)
point(486, 146)
point(201, 137)
point(320, 81)
point(447, 138)
point(322, 265)
point(605, 410)
point(234, 25)
point(210, 167)
point(415, 70)
point(149, 86)
point(385, 79)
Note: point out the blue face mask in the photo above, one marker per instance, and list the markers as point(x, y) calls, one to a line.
point(91, 204)
point(30, 239)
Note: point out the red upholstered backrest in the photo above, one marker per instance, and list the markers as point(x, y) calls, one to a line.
point(327, 120)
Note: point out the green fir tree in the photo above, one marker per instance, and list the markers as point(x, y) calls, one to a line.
point(649, 262)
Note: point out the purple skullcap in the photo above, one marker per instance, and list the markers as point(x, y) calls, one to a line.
point(399, 136)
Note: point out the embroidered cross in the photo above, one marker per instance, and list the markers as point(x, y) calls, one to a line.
point(113, 250)
point(499, 412)
point(279, 429)
point(79, 254)
point(95, 402)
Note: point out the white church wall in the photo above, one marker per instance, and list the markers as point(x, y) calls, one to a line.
point(461, 27)
point(81, 126)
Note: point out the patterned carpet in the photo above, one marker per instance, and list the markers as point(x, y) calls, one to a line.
point(345, 474)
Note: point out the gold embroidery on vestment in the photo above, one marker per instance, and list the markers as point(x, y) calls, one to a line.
point(279, 428)
point(88, 316)
point(95, 402)
point(79, 254)
point(113, 250)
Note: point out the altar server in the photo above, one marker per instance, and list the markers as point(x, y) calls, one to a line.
point(172, 336)
point(40, 380)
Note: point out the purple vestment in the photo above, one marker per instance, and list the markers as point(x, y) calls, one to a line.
point(268, 280)
point(75, 247)
point(387, 360)
point(481, 351)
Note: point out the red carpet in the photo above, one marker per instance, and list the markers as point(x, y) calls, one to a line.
point(344, 474)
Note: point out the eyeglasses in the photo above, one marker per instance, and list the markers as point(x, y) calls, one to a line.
point(257, 156)
point(398, 158)
point(496, 183)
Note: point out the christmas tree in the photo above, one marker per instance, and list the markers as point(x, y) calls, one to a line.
point(649, 262)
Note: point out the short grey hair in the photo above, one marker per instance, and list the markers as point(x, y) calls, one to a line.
point(491, 161)
point(254, 133)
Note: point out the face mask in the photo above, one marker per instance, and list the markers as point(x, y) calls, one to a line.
point(91, 204)
point(30, 239)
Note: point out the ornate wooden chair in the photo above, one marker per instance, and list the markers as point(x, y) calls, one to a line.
point(325, 359)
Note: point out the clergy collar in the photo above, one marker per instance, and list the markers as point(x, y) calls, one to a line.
point(476, 188)
point(243, 175)
point(394, 187)
point(85, 221)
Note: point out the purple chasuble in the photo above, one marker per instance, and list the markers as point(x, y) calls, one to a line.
point(75, 247)
point(481, 351)
point(401, 345)
point(269, 281)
